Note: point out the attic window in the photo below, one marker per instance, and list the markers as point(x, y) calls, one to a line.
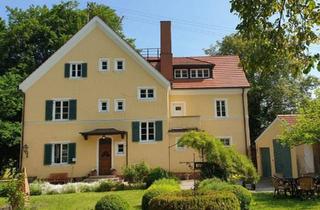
point(181, 73)
point(199, 73)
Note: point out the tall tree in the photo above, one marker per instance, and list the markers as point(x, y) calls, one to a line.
point(275, 87)
point(288, 27)
point(29, 38)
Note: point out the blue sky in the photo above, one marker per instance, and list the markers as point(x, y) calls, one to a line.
point(194, 25)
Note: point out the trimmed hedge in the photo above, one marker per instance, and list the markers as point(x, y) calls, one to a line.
point(112, 202)
point(201, 201)
point(159, 187)
point(244, 196)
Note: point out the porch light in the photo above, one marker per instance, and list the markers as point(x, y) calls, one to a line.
point(26, 150)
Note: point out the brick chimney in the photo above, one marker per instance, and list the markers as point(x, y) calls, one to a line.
point(166, 52)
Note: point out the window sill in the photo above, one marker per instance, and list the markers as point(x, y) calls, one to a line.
point(148, 142)
point(147, 99)
point(77, 78)
point(120, 154)
point(60, 164)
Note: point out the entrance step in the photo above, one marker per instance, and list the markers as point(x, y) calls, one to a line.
point(103, 178)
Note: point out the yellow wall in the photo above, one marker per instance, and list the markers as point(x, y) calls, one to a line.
point(266, 140)
point(116, 85)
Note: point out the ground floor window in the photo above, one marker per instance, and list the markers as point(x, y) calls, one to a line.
point(120, 149)
point(226, 141)
point(60, 153)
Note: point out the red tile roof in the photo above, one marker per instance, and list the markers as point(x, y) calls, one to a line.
point(227, 72)
point(289, 118)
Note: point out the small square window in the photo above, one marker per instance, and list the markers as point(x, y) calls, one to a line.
point(225, 141)
point(146, 93)
point(103, 64)
point(104, 105)
point(179, 147)
point(120, 149)
point(119, 105)
point(119, 65)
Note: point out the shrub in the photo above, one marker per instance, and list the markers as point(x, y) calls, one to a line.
point(201, 201)
point(3, 189)
point(112, 202)
point(136, 173)
point(15, 194)
point(69, 188)
point(106, 186)
point(135, 186)
point(155, 174)
point(159, 187)
point(35, 188)
point(244, 196)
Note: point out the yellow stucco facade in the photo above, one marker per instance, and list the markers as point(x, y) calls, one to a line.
point(199, 111)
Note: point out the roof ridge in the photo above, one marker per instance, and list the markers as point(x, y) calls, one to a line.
point(205, 56)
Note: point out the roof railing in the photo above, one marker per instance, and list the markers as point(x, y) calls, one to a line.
point(150, 53)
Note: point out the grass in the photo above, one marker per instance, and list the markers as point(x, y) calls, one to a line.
point(79, 201)
point(86, 201)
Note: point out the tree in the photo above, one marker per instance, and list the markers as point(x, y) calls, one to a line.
point(29, 38)
point(307, 128)
point(288, 27)
point(276, 87)
point(220, 161)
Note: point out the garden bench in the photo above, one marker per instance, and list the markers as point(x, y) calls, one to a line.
point(58, 178)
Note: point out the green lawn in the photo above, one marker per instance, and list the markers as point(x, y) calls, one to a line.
point(84, 201)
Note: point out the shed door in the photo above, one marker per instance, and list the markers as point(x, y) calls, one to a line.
point(265, 162)
point(282, 159)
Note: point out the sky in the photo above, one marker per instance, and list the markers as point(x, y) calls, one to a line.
point(195, 25)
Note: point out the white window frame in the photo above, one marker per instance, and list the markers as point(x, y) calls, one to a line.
point(197, 73)
point(116, 105)
point(100, 101)
point(53, 153)
point(181, 75)
point(147, 98)
point(180, 149)
point(225, 137)
point(70, 69)
point(116, 60)
point(100, 64)
point(61, 109)
point(178, 103)
point(147, 128)
point(216, 108)
point(117, 153)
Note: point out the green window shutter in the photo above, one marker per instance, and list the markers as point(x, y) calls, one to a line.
point(71, 153)
point(47, 154)
point(49, 108)
point(158, 130)
point(84, 70)
point(67, 70)
point(135, 131)
point(73, 109)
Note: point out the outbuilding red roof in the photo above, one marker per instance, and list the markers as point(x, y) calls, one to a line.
point(289, 118)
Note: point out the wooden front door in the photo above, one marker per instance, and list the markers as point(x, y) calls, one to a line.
point(265, 161)
point(104, 156)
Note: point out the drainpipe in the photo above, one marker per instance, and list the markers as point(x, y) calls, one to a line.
point(22, 132)
point(245, 122)
point(127, 158)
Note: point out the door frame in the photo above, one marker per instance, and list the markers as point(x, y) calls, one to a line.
point(97, 153)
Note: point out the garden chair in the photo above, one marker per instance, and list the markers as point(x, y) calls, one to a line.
point(280, 186)
point(306, 187)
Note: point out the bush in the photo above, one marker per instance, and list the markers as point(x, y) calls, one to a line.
point(15, 194)
point(244, 196)
point(35, 188)
point(3, 190)
point(69, 188)
point(112, 202)
point(159, 187)
point(155, 174)
point(106, 186)
point(135, 173)
point(201, 201)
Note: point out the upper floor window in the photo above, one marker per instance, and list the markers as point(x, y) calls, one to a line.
point(61, 110)
point(226, 141)
point(199, 73)
point(221, 108)
point(75, 70)
point(103, 64)
point(103, 105)
point(181, 73)
point(146, 93)
point(147, 131)
point(60, 153)
point(119, 105)
point(119, 65)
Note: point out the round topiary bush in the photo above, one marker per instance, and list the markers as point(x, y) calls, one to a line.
point(112, 202)
point(155, 174)
point(221, 200)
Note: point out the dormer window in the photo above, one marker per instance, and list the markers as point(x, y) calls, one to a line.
point(199, 73)
point(181, 73)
